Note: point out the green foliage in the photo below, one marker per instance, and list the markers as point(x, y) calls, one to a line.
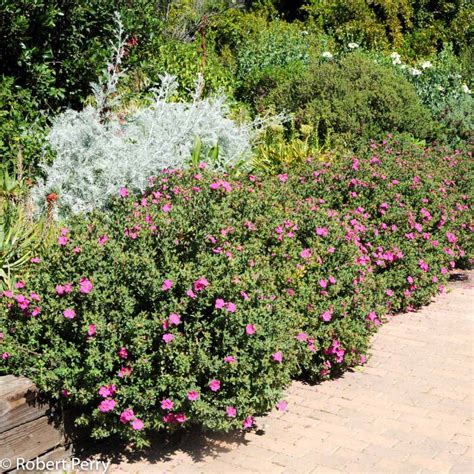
point(142, 304)
point(20, 238)
point(349, 100)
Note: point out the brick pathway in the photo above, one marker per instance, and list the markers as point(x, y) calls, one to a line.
point(410, 409)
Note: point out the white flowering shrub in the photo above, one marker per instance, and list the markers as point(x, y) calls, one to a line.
point(98, 151)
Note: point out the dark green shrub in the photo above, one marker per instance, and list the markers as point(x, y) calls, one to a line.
point(351, 100)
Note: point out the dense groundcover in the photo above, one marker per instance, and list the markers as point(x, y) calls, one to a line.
point(197, 302)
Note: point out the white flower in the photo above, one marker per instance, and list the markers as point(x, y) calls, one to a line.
point(466, 89)
point(327, 55)
point(353, 45)
point(426, 65)
point(415, 72)
point(395, 58)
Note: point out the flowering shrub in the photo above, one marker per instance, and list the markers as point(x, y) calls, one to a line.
point(196, 302)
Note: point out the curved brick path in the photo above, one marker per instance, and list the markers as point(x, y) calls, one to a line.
point(410, 409)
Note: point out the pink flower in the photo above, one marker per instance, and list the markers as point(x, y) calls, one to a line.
point(174, 319)
point(127, 415)
point(77, 250)
point(124, 372)
point(91, 330)
point(123, 353)
point(215, 385)
point(180, 417)
point(102, 240)
point(85, 286)
point(302, 336)
point(410, 280)
point(193, 395)
point(322, 231)
point(35, 260)
point(326, 316)
point(69, 313)
point(107, 390)
point(282, 405)
point(220, 303)
point(389, 293)
point(278, 357)
point(123, 192)
point(167, 284)
point(167, 207)
point(249, 329)
point(231, 412)
point(60, 289)
point(36, 311)
point(20, 284)
point(107, 405)
point(451, 237)
point(167, 338)
point(305, 253)
point(332, 280)
point(229, 359)
point(230, 307)
point(323, 283)
point(191, 294)
point(137, 424)
point(248, 422)
point(167, 404)
point(62, 240)
point(5, 355)
point(200, 284)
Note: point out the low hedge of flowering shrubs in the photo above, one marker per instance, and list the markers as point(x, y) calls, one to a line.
point(198, 301)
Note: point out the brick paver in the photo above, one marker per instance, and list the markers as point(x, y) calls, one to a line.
point(410, 409)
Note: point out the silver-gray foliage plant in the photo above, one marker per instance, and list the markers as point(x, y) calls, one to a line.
point(97, 152)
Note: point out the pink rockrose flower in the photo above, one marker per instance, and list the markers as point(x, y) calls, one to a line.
point(35, 260)
point(282, 405)
point(193, 395)
point(167, 404)
point(107, 390)
point(326, 316)
point(62, 240)
point(231, 412)
point(91, 330)
point(219, 304)
point(322, 231)
point(200, 284)
point(167, 284)
point(137, 424)
point(278, 357)
point(180, 418)
point(230, 307)
point(167, 338)
point(127, 416)
point(249, 329)
point(230, 359)
point(305, 253)
point(174, 319)
point(107, 405)
point(215, 385)
point(85, 286)
point(123, 192)
point(123, 353)
point(248, 422)
point(103, 239)
point(167, 207)
point(69, 313)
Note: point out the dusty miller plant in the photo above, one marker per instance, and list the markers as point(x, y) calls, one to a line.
point(97, 151)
